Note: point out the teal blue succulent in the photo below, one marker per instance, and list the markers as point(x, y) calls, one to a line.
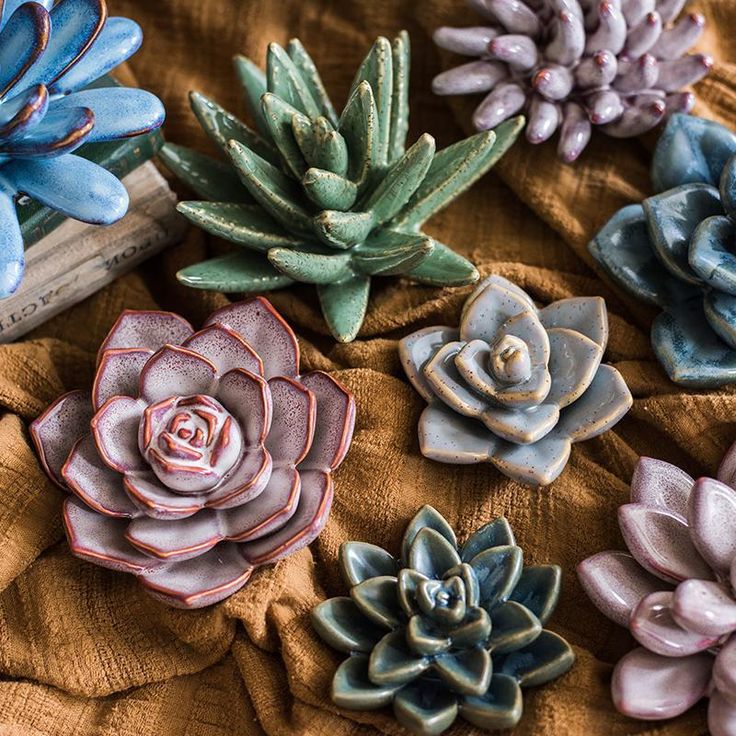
point(316, 197)
point(445, 630)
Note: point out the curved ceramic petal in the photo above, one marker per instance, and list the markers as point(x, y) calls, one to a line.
point(514, 627)
point(155, 500)
point(727, 469)
point(724, 670)
point(720, 311)
point(652, 687)
point(710, 253)
point(417, 349)
point(442, 375)
point(691, 150)
point(425, 712)
point(486, 313)
point(339, 622)
point(538, 590)
point(376, 598)
point(248, 398)
point(59, 131)
point(432, 554)
point(496, 534)
point(294, 417)
point(201, 581)
point(146, 330)
point(353, 689)
point(545, 659)
point(115, 431)
point(71, 185)
point(303, 528)
point(500, 281)
point(616, 583)
point(119, 39)
point(99, 539)
point(426, 518)
point(266, 331)
point(475, 629)
point(59, 428)
point(409, 580)
point(539, 464)
point(661, 484)
point(225, 349)
point(245, 482)
point(425, 638)
point(177, 367)
point(660, 542)
point(361, 561)
point(712, 521)
point(23, 39)
point(573, 364)
point(24, 111)
point(499, 708)
point(704, 607)
point(721, 715)
point(393, 663)
point(466, 673)
point(118, 373)
point(584, 314)
point(521, 426)
point(334, 424)
point(94, 483)
point(12, 257)
point(527, 327)
point(498, 571)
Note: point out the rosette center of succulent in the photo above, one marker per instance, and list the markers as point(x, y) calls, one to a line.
point(510, 362)
point(443, 600)
point(191, 442)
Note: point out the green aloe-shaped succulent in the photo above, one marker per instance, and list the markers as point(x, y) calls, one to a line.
point(325, 199)
point(444, 631)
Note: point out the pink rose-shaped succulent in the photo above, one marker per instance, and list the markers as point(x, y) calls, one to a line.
point(676, 592)
point(198, 456)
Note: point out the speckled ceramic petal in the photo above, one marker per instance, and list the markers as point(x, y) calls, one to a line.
point(657, 483)
point(335, 621)
point(521, 426)
point(293, 424)
point(721, 715)
point(118, 374)
point(432, 554)
point(157, 501)
point(442, 375)
point(712, 521)
point(705, 607)
point(652, 687)
point(225, 349)
point(449, 437)
point(417, 349)
point(538, 590)
point(22, 40)
point(12, 257)
point(335, 422)
point(724, 670)
point(616, 583)
point(393, 663)
point(353, 689)
point(149, 330)
point(245, 482)
point(360, 561)
point(585, 314)
point(247, 397)
point(573, 364)
point(115, 431)
point(539, 464)
point(58, 429)
point(201, 581)
point(720, 311)
point(489, 310)
point(499, 708)
point(661, 544)
point(546, 658)
point(500, 281)
point(60, 131)
point(710, 253)
point(498, 570)
point(727, 469)
point(94, 483)
point(266, 331)
point(189, 372)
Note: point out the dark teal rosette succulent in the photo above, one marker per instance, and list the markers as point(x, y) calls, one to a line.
point(444, 631)
point(676, 250)
point(316, 197)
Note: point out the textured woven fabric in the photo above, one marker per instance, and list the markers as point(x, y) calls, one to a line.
point(84, 651)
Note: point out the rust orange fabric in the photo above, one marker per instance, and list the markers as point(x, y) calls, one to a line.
point(84, 652)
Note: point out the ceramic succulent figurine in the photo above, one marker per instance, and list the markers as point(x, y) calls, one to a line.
point(515, 385)
point(674, 590)
point(326, 199)
point(48, 55)
point(675, 250)
point(197, 456)
point(445, 630)
point(572, 64)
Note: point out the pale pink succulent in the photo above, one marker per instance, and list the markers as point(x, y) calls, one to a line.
point(197, 456)
point(676, 592)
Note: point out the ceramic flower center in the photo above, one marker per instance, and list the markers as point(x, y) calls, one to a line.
point(510, 362)
point(191, 442)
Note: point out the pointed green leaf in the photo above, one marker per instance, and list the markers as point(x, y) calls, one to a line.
point(498, 570)
point(253, 81)
point(393, 663)
point(444, 267)
point(426, 709)
point(243, 224)
point(401, 181)
point(344, 306)
point(343, 229)
point(432, 554)
point(498, 709)
point(360, 561)
point(400, 103)
point(341, 624)
point(468, 672)
point(329, 191)
point(303, 62)
point(285, 81)
point(223, 127)
point(401, 256)
point(272, 189)
point(377, 598)
point(377, 70)
point(208, 177)
point(235, 272)
point(455, 168)
point(353, 689)
point(514, 627)
point(359, 127)
point(426, 517)
point(321, 145)
point(279, 116)
point(311, 268)
point(545, 659)
point(538, 590)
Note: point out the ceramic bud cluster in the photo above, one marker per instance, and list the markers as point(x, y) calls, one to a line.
point(515, 385)
point(570, 65)
point(674, 590)
point(445, 630)
point(197, 456)
point(322, 198)
point(48, 56)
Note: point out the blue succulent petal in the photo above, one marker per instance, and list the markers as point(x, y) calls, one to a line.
point(426, 517)
point(22, 41)
point(19, 114)
point(538, 590)
point(727, 186)
point(8, 8)
point(498, 570)
point(691, 150)
point(500, 708)
point(119, 113)
point(432, 554)
point(624, 249)
point(11, 247)
point(720, 311)
point(545, 659)
point(672, 218)
point(72, 185)
point(119, 39)
point(59, 132)
point(496, 534)
point(353, 689)
point(689, 350)
point(538, 464)
point(711, 255)
point(425, 709)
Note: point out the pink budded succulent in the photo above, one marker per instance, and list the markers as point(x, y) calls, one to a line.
point(675, 590)
point(197, 456)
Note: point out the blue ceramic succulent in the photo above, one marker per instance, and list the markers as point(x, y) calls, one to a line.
point(676, 250)
point(49, 54)
point(446, 630)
